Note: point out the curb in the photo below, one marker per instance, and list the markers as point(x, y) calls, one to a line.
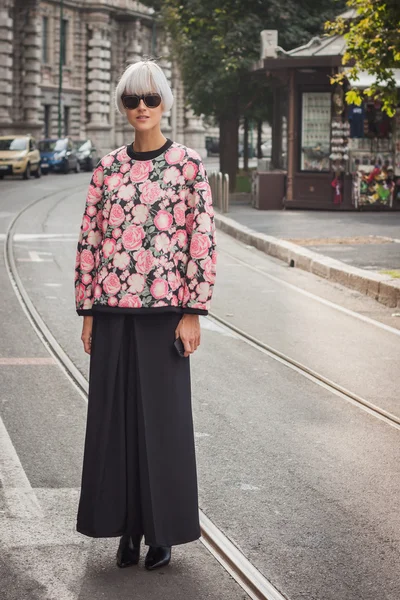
point(379, 287)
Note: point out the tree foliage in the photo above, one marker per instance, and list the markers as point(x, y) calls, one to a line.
point(372, 34)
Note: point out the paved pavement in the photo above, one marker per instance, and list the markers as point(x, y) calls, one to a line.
point(305, 227)
point(304, 483)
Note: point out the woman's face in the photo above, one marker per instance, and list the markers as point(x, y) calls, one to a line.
point(144, 118)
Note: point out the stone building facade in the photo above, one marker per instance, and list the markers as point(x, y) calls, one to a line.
point(100, 38)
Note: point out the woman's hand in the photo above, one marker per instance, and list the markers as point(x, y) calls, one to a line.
point(189, 331)
point(86, 336)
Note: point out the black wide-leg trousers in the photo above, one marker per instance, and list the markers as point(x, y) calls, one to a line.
point(139, 467)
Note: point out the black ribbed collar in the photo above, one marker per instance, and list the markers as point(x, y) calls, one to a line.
point(150, 154)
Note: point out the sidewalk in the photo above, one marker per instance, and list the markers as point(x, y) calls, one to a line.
point(358, 250)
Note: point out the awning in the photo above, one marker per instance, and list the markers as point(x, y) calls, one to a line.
point(365, 80)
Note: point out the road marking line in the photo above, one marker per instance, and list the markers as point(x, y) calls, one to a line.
point(26, 237)
point(27, 361)
point(20, 499)
point(34, 256)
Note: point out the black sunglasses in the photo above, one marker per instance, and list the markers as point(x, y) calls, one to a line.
point(133, 101)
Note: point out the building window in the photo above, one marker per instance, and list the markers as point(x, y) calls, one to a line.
point(66, 120)
point(64, 41)
point(45, 39)
point(315, 131)
point(47, 117)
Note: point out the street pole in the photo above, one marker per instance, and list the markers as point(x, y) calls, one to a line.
point(60, 69)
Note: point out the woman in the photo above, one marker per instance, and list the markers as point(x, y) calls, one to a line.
point(145, 271)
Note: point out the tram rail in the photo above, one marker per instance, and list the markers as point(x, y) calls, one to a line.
point(251, 580)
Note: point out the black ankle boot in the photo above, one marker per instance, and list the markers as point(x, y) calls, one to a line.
point(157, 556)
point(128, 550)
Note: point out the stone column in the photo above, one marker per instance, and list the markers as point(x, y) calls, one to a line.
point(99, 74)
point(166, 66)
point(6, 64)
point(31, 71)
point(195, 133)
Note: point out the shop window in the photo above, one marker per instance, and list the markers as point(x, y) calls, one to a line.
point(45, 39)
point(315, 131)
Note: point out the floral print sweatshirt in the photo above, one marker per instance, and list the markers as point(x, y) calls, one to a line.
point(147, 239)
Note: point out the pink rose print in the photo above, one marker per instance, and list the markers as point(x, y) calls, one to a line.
point(98, 177)
point(209, 269)
point(190, 170)
point(180, 238)
point(94, 238)
point(87, 303)
point(98, 291)
point(104, 225)
point(125, 168)
point(130, 301)
point(162, 242)
point(204, 188)
point(193, 199)
point(145, 261)
point(117, 215)
point(174, 301)
point(191, 269)
point(174, 155)
point(171, 175)
point(94, 195)
point(202, 291)
point(136, 283)
point(85, 223)
point(108, 248)
point(121, 260)
point(159, 288)
point(117, 233)
point(126, 192)
point(140, 213)
point(203, 222)
point(132, 237)
point(87, 261)
point(113, 181)
point(174, 281)
point(150, 192)
point(107, 161)
point(111, 284)
point(123, 156)
point(140, 170)
point(160, 303)
point(199, 245)
point(183, 294)
point(193, 154)
point(91, 211)
point(189, 223)
point(77, 259)
point(80, 292)
point(180, 213)
point(163, 220)
point(112, 301)
point(100, 220)
point(86, 279)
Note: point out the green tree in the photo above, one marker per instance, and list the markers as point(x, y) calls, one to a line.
point(216, 42)
point(371, 29)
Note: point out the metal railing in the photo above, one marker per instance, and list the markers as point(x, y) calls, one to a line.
point(219, 183)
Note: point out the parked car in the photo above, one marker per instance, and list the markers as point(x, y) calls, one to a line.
point(212, 145)
point(19, 156)
point(58, 155)
point(87, 154)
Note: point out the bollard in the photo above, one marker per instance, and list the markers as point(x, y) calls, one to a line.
point(225, 199)
point(219, 191)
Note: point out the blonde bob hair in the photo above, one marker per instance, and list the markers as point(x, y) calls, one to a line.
point(143, 77)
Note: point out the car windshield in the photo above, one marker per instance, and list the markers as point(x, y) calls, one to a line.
point(83, 146)
point(13, 144)
point(52, 145)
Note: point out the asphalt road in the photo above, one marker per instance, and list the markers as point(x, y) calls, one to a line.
point(305, 483)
